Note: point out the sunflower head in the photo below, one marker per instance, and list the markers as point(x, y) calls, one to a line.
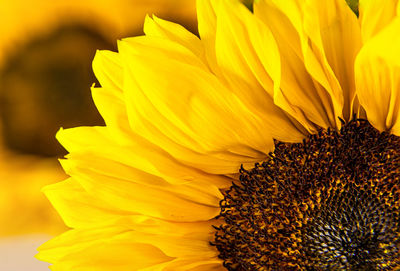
point(329, 203)
point(304, 90)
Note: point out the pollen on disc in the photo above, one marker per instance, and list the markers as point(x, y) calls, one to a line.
point(329, 203)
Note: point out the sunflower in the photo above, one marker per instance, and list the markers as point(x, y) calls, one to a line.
point(269, 143)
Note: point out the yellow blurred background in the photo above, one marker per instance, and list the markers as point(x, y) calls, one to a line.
point(46, 50)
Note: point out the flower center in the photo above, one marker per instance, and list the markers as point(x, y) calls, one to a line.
point(329, 203)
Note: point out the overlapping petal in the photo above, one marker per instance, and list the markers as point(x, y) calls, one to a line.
point(180, 246)
point(113, 108)
point(375, 15)
point(318, 42)
point(207, 25)
point(142, 170)
point(100, 249)
point(378, 78)
point(192, 114)
point(156, 27)
point(251, 69)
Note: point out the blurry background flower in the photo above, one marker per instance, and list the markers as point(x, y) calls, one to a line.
point(46, 51)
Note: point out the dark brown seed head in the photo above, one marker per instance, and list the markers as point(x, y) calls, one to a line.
point(329, 203)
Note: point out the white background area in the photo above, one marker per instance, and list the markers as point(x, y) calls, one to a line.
point(17, 253)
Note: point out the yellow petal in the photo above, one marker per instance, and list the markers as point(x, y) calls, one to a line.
point(99, 249)
point(189, 264)
point(157, 27)
point(197, 230)
point(199, 117)
point(112, 108)
point(108, 69)
point(398, 9)
point(137, 153)
point(333, 29)
point(248, 57)
point(181, 240)
point(161, 245)
point(192, 188)
point(317, 57)
point(299, 95)
point(207, 24)
point(378, 78)
point(176, 246)
point(78, 208)
point(175, 203)
point(147, 45)
point(89, 138)
point(375, 15)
